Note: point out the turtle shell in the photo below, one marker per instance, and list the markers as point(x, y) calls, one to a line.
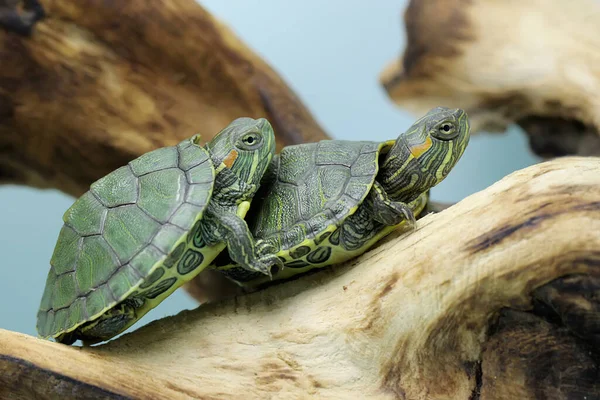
point(316, 187)
point(120, 231)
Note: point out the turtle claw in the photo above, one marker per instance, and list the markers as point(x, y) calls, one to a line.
point(409, 217)
point(393, 213)
point(265, 258)
point(388, 211)
point(269, 261)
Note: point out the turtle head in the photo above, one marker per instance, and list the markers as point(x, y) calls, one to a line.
point(246, 147)
point(424, 155)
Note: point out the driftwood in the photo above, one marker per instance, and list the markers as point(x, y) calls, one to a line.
point(496, 297)
point(99, 83)
point(535, 63)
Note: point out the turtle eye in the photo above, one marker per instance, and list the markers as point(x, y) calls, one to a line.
point(445, 130)
point(250, 141)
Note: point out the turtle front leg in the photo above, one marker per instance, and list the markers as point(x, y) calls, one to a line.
point(387, 211)
point(20, 22)
point(226, 226)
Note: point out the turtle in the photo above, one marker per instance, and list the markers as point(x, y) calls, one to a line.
point(326, 202)
point(146, 228)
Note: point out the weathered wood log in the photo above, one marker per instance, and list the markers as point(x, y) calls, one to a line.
point(495, 297)
point(535, 63)
point(99, 83)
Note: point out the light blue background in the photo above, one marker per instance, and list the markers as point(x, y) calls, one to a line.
point(331, 53)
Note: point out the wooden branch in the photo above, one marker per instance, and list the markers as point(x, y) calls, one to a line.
point(535, 63)
point(476, 303)
point(99, 83)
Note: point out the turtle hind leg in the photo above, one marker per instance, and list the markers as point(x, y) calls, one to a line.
point(110, 324)
point(387, 211)
point(68, 338)
point(20, 21)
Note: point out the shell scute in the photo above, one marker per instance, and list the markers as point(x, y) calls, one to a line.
point(117, 188)
point(46, 302)
point(120, 282)
point(185, 215)
point(161, 193)
point(61, 319)
point(156, 160)
point(333, 181)
point(337, 152)
point(95, 303)
point(364, 165)
point(67, 292)
point(66, 252)
point(76, 311)
point(128, 229)
point(189, 158)
point(199, 175)
point(295, 161)
point(356, 188)
point(96, 263)
point(143, 262)
point(86, 215)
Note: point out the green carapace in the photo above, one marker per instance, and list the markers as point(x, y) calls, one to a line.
point(324, 203)
point(150, 226)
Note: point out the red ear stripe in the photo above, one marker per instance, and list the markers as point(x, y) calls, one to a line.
point(230, 159)
point(419, 149)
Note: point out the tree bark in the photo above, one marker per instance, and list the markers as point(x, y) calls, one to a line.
point(534, 63)
point(496, 297)
point(98, 83)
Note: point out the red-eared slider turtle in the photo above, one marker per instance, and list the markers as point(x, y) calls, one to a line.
point(150, 226)
point(324, 203)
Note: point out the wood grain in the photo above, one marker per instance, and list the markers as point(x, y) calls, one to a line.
point(534, 63)
point(495, 296)
point(99, 83)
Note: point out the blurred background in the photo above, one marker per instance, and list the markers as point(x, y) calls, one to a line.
point(331, 54)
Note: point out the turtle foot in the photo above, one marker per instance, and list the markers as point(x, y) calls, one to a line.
point(393, 213)
point(266, 258)
point(267, 262)
point(409, 217)
point(390, 212)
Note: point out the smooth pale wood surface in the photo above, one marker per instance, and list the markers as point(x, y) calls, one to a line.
point(535, 63)
point(412, 318)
